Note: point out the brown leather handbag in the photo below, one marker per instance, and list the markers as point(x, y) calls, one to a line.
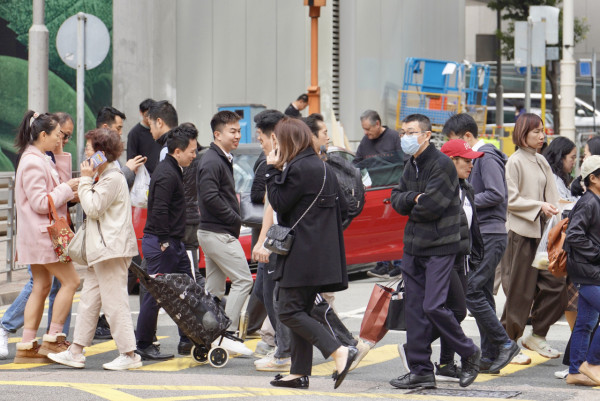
point(60, 233)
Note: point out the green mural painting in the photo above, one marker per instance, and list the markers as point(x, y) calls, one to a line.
point(15, 21)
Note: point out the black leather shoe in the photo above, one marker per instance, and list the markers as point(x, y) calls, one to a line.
point(152, 353)
point(339, 377)
point(300, 382)
point(470, 369)
point(410, 381)
point(484, 367)
point(102, 333)
point(184, 347)
point(505, 355)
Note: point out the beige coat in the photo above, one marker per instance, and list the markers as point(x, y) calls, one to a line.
point(530, 182)
point(109, 229)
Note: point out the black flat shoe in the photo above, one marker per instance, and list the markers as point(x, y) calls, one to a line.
point(300, 382)
point(339, 377)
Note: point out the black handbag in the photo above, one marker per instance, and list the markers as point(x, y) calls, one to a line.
point(250, 212)
point(280, 238)
point(396, 318)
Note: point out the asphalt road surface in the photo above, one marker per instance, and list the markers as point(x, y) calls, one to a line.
point(184, 379)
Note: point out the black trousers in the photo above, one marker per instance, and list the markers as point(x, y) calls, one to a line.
point(294, 306)
point(174, 259)
point(457, 303)
point(427, 281)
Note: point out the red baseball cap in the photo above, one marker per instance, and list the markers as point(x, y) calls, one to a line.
point(460, 148)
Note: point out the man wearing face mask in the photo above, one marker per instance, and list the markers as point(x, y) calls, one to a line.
point(428, 195)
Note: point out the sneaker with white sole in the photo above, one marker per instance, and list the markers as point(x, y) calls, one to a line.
point(124, 362)
point(68, 359)
point(3, 343)
point(562, 374)
point(262, 349)
point(265, 358)
point(274, 364)
point(234, 347)
point(363, 347)
point(539, 345)
point(521, 359)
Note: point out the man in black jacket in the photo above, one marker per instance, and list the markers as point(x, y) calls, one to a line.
point(140, 141)
point(162, 242)
point(220, 222)
point(428, 195)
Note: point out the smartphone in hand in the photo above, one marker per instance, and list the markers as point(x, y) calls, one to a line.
point(98, 159)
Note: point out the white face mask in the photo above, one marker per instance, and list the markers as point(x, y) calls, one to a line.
point(410, 144)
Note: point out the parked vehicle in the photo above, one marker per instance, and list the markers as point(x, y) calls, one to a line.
point(375, 234)
point(584, 112)
point(509, 120)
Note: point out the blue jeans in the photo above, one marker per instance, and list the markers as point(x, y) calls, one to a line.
point(588, 310)
point(14, 316)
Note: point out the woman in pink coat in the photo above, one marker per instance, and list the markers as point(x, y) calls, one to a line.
point(37, 177)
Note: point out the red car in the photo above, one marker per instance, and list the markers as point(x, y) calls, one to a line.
point(374, 235)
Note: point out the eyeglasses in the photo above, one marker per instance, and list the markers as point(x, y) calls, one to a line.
point(402, 133)
point(65, 135)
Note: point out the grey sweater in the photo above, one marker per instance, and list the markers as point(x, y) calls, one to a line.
point(488, 181)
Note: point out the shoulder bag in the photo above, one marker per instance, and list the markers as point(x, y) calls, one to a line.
point(280, 238)
point(76, 249)
point(60, 232)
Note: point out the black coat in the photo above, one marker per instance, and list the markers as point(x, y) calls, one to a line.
point(471, 242)
point(166, 202)
point(582, 241)
point(317, 257)
point(217, 200)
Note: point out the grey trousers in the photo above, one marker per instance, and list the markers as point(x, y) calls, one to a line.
point(225, 258)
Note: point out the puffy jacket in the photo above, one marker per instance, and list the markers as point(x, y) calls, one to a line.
point(109, 229)
point(582, 242)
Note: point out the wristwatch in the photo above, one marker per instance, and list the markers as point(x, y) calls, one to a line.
point(165, 245)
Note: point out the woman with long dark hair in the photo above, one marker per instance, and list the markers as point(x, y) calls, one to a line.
point(304, 192)
point(37, 178)
point(561, 155)
point(532, 200)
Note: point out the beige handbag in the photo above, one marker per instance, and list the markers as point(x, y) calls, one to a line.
point(76, 248)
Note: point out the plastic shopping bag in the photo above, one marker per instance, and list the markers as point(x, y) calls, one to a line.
point(541, 261)
point(139, 190)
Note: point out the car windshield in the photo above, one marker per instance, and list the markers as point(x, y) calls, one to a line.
point(243, 171)
point(379, 170)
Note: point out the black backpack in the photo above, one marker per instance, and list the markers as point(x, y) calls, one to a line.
point(351, 186)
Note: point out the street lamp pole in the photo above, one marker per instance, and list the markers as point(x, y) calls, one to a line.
point(38, 60)
point(314, 91)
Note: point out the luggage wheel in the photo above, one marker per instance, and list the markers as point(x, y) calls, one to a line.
point(218, 357)
point(200, 353)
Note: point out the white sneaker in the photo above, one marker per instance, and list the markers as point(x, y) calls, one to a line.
point(233, 346)
point(274, 364)
point(68, 359)
point(363, 347)
point(262, 349)
point(266, 358)
point(539, 345)
point(562, 374)
point(3, 343)
point(124, 362)
point(521, 359)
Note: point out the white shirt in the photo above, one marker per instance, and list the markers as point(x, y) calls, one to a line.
point(467, 207)
point(479, 144)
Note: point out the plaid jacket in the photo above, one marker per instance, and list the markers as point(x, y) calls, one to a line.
point(433, 224)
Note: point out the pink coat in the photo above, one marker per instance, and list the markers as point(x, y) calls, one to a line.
point(36, 177)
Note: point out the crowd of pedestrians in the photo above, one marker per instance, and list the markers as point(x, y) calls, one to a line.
point(469, 210)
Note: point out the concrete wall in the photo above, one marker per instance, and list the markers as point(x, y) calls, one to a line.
point(376, 38)
point(202, 53)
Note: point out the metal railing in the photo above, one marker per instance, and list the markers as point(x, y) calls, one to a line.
point(8, 216)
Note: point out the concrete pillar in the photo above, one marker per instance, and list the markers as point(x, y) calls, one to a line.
point(38, 60)
point(567, 74)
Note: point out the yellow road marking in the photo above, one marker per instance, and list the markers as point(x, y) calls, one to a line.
point(112, 392)
point(536, 359)
point(376, 355)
